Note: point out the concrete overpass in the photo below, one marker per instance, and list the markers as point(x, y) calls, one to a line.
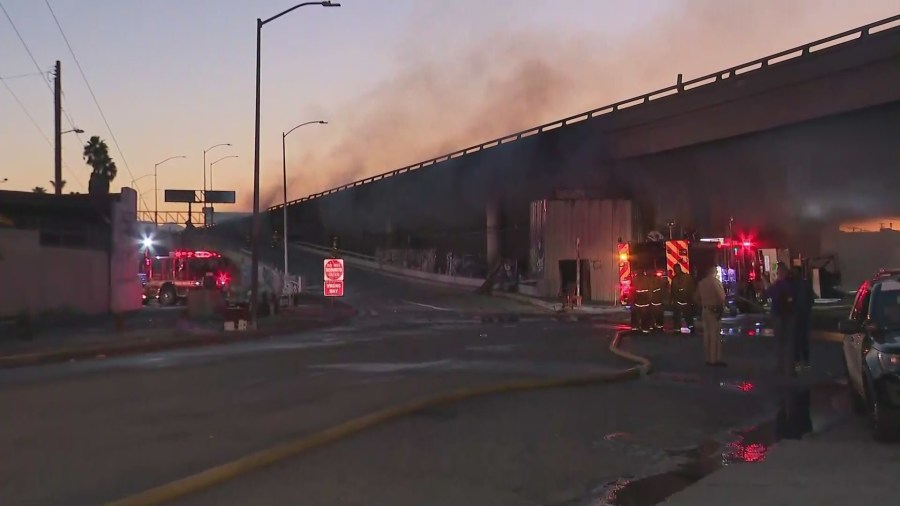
point(788, 145)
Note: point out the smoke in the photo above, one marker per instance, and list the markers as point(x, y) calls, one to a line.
point(509, 82)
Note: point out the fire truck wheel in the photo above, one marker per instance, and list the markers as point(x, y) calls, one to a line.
point(167, 296)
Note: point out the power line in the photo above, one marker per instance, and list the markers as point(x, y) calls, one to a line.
point(19, 76)
point(94, 97)
point(39, 129)
point(43, 73)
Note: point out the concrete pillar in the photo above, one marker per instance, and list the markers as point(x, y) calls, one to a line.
point(389, 234)
point(492, 213)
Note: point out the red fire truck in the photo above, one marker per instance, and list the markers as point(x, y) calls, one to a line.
point(738, 262)
point(169, 278)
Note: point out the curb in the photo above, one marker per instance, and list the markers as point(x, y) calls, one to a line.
point(208, 478)
point(140, 347)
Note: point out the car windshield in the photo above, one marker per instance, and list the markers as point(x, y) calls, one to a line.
point(885, 309)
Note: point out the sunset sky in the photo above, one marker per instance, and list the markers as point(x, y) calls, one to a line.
point(398, 80)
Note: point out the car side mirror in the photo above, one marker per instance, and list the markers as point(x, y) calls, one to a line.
point(849, 327)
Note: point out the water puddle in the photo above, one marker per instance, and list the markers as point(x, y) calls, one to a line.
point(795, 418)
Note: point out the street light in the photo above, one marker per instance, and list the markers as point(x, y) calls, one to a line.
point(254, 257)
point(156, 188)
point(207, 150)
point(284, 174)
point(134, 181)
point(211, 171)
point(76, 130)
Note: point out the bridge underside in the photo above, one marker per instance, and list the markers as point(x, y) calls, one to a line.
point(788, 183)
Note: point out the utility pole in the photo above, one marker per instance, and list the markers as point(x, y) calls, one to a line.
point(57, 128)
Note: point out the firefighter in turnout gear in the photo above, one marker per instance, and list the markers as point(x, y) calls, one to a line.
point(682, 298)
point(659, 289)
point(641, 303)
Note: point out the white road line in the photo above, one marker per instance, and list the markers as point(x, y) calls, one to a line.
point(428, 306)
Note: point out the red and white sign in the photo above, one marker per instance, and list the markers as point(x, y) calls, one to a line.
point(334, 288)
point(333, 269)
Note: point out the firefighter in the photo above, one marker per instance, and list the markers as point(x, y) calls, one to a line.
point(682, 296)
point(641, 302)
point(659, 288)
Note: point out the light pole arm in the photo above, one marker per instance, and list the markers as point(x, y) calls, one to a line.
point(320, 122)
point(323, 4)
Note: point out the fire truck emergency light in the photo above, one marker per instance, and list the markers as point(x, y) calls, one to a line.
point(147, 242)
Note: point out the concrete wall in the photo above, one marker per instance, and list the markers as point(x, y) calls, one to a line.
point(35, 279)
point(125, 289)
point(862, 254)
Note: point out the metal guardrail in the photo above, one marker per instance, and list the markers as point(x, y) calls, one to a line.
point(761, 63)
point(343, 253)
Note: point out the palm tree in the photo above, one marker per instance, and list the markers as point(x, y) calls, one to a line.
point(103, 169)
point(62, 184)
point(39, 189)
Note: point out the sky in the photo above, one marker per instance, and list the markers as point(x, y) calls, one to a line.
point(399, 81)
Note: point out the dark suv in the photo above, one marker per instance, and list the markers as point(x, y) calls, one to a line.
point(872, 352)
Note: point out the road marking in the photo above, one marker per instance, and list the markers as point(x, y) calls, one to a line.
point(428, 306)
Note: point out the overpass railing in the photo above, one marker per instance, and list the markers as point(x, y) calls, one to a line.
point(761, 63)
point(172, 217)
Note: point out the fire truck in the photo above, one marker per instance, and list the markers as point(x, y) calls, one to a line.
point(169, 278)
point(739, 264)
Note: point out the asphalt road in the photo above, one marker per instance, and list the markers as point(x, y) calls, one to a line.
point(88, 432)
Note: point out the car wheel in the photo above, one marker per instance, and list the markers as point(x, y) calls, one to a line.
point(167, 296)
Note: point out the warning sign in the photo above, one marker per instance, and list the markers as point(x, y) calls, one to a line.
point(333, 269)
point(334, 288)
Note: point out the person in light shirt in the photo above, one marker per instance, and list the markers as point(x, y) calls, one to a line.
point(710, 298)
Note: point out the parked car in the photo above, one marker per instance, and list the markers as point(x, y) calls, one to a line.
point(872, 352)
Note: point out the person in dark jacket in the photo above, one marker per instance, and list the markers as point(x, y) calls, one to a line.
point(641, 302)
point(805, 300)
point(783, 294)
point(682, 296)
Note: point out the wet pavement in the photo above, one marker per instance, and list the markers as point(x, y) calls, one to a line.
point(555, 447)
point(148, 419)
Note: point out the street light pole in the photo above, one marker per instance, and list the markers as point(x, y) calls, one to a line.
point(284, 233)
point(156, 188)
point(254, 257)
point(211, 171)
point(207, 150)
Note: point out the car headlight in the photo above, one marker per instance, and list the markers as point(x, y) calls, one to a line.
point(889, 362)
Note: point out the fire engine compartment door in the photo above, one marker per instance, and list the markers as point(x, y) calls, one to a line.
point(648, 255)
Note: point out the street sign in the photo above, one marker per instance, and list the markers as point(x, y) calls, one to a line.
point(185, 196)
point(334, 288)
point(333, 269)
point(219, 197)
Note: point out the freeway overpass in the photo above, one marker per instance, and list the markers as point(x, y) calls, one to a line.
point(789, 145)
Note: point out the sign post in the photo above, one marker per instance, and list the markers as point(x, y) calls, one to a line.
point(333, 271)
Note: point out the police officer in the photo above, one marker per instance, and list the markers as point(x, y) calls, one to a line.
point(682, 296)
point(659, 288)
point(641, 301)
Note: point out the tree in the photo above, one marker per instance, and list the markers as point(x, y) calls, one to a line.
point(62, 184)
point(103, 168)
point(39, 189)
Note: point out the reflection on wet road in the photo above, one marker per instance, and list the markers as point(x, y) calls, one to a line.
point(794, 418)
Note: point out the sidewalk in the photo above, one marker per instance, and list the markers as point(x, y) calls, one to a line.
point(101, 340)
point(838, 467)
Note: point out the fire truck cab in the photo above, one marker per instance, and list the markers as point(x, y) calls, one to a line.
point(170, 278)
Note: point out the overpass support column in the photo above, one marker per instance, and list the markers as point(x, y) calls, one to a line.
point(388, 234)
point(493, 233)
